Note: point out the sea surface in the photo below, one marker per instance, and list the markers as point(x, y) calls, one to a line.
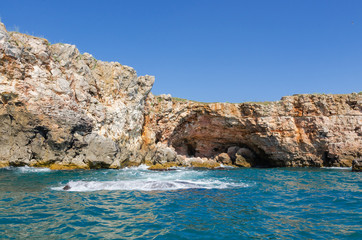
point(136, 203)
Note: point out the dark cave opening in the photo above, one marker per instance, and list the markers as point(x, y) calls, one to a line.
point(213, 147)
point(191, 151)
point(207, 136)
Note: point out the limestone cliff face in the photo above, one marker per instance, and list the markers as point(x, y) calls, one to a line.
point(302, 130)
point(63, 109)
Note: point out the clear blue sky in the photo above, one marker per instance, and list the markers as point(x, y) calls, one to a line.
point(231, 51)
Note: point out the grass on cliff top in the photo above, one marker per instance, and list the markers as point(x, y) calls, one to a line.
point(325, 94)
point(11, 33)
point(176, 99)
point(261, 103)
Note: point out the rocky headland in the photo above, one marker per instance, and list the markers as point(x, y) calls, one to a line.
point(65, 110)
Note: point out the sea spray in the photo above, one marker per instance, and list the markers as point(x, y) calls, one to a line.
point(145, 185)
point(141, 179)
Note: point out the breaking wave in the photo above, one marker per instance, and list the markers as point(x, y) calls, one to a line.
point(140, 167)
point(338, 168)
point(146, 185)
point(27, 169)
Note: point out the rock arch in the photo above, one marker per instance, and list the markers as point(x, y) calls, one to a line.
point(206, 136)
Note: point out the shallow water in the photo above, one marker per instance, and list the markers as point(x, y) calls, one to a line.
point(135, 203)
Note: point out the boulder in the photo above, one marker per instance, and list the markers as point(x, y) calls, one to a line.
point(242, 162)
point(224, 158)
point(232, 151)
point(246, 153)
point(357, 165)
point(244, 158)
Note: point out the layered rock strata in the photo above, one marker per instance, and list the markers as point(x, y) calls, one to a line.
point(302, 130)
point(63, 109)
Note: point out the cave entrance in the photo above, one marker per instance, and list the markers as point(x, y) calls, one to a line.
point(207, 136)
point(211, 148)
point(191, 151)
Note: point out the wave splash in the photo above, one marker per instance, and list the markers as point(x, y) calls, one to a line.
point(338, 168)
point(27, 169)
point(135, 168)
point(146, 185)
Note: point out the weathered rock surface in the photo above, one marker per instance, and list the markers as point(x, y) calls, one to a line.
point(64, 110)
point(224, 158)
point(357, 165)
point(301, 130)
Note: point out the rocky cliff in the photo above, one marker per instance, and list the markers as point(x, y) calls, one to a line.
point(64, 110)
point(301, 130)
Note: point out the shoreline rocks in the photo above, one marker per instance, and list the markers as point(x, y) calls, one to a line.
point(316, 130)
point(357, 165)
point(66, 110)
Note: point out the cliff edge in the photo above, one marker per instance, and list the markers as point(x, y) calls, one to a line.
point(64, 110)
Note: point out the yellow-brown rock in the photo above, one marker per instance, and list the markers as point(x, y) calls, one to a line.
point(301, 130)
point(357, 165)
point(65, 110)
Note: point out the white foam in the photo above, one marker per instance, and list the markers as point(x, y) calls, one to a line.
point(225, 166)
point(27, 169)
point(140, 167)
point(147, 185)
point(343, 168)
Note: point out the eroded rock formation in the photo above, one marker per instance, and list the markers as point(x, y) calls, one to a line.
point(63, 110)
point(357, 165)
point(302, 130)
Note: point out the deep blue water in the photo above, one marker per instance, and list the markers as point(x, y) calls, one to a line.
point(278, 203)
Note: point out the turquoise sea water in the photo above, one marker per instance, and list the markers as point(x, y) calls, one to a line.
point(135, 203)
